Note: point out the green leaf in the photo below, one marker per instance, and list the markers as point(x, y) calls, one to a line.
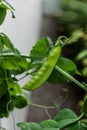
point(20, 101)
point(33, 126)
point(2, 15)
point(66, 65)
point(66, 117)
point(13, 87)
point(9, 63)
point(80, 125)
point(84, 108)
point(48, 124)
point(40, 51)
point(29, 126)
point(4, 100)
point(3, 88)
point(23, 63)
point(4, 4)
point(4, 74)
point(50, 129)
point(1, 44)
point(11, 105)
point(9, 45)
point(81, 54)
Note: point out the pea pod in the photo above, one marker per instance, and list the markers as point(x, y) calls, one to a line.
point(44, 72)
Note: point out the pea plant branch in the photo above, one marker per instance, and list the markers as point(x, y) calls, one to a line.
point(48, 65)
point(71, 78)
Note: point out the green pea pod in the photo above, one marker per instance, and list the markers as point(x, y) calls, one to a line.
point(44, 72)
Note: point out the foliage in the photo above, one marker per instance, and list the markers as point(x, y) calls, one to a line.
point(13, 63)
point(66, 118)
point(73, 19)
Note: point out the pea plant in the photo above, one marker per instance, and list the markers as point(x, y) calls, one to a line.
point(44, 63)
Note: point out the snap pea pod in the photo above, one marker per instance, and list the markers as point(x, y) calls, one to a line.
point(44, 72)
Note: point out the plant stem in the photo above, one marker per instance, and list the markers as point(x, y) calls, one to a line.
point(70, 78)
point(43, 107)
point(12, 55)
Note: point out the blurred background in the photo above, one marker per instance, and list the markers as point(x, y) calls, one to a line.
point(39, 18)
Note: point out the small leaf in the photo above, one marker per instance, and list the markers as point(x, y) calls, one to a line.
point(2, 15)
point(20, 101)
point(9, 45)
point(81, 54)
point(65, 117)
point(29, 126)
point(66, 65)
point(40, 51)
point(13, 87)
point(10, 105)
point(9, 63)
point(48, 124)
point(80, 125)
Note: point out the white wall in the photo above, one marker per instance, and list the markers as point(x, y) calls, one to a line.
point(23, 32)
point(24, 29)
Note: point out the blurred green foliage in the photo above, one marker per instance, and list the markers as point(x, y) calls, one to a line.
point(72, 19)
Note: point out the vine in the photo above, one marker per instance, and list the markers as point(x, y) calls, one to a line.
point(43, 54)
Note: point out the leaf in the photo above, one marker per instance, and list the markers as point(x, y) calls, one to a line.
point(1, 44)
point(33, 126)
point(48, 124)
point(4, 100)
point(40, 51)
point(13, 87)
point(9, 45)
point(81, 54)
point(80, 125)
point(9, 63)
point(2, 14)
point(23, 63)
point(29, 126)
point(4, 74)
point(66, 65)
point(49, 129)
point(65, 117)
point(10, 105)
point(84, 107)
point(3, 88)
point(20, 101)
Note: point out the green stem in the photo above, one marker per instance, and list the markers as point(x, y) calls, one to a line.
point(12, 55)
point(70, 78)
point(43, 107)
